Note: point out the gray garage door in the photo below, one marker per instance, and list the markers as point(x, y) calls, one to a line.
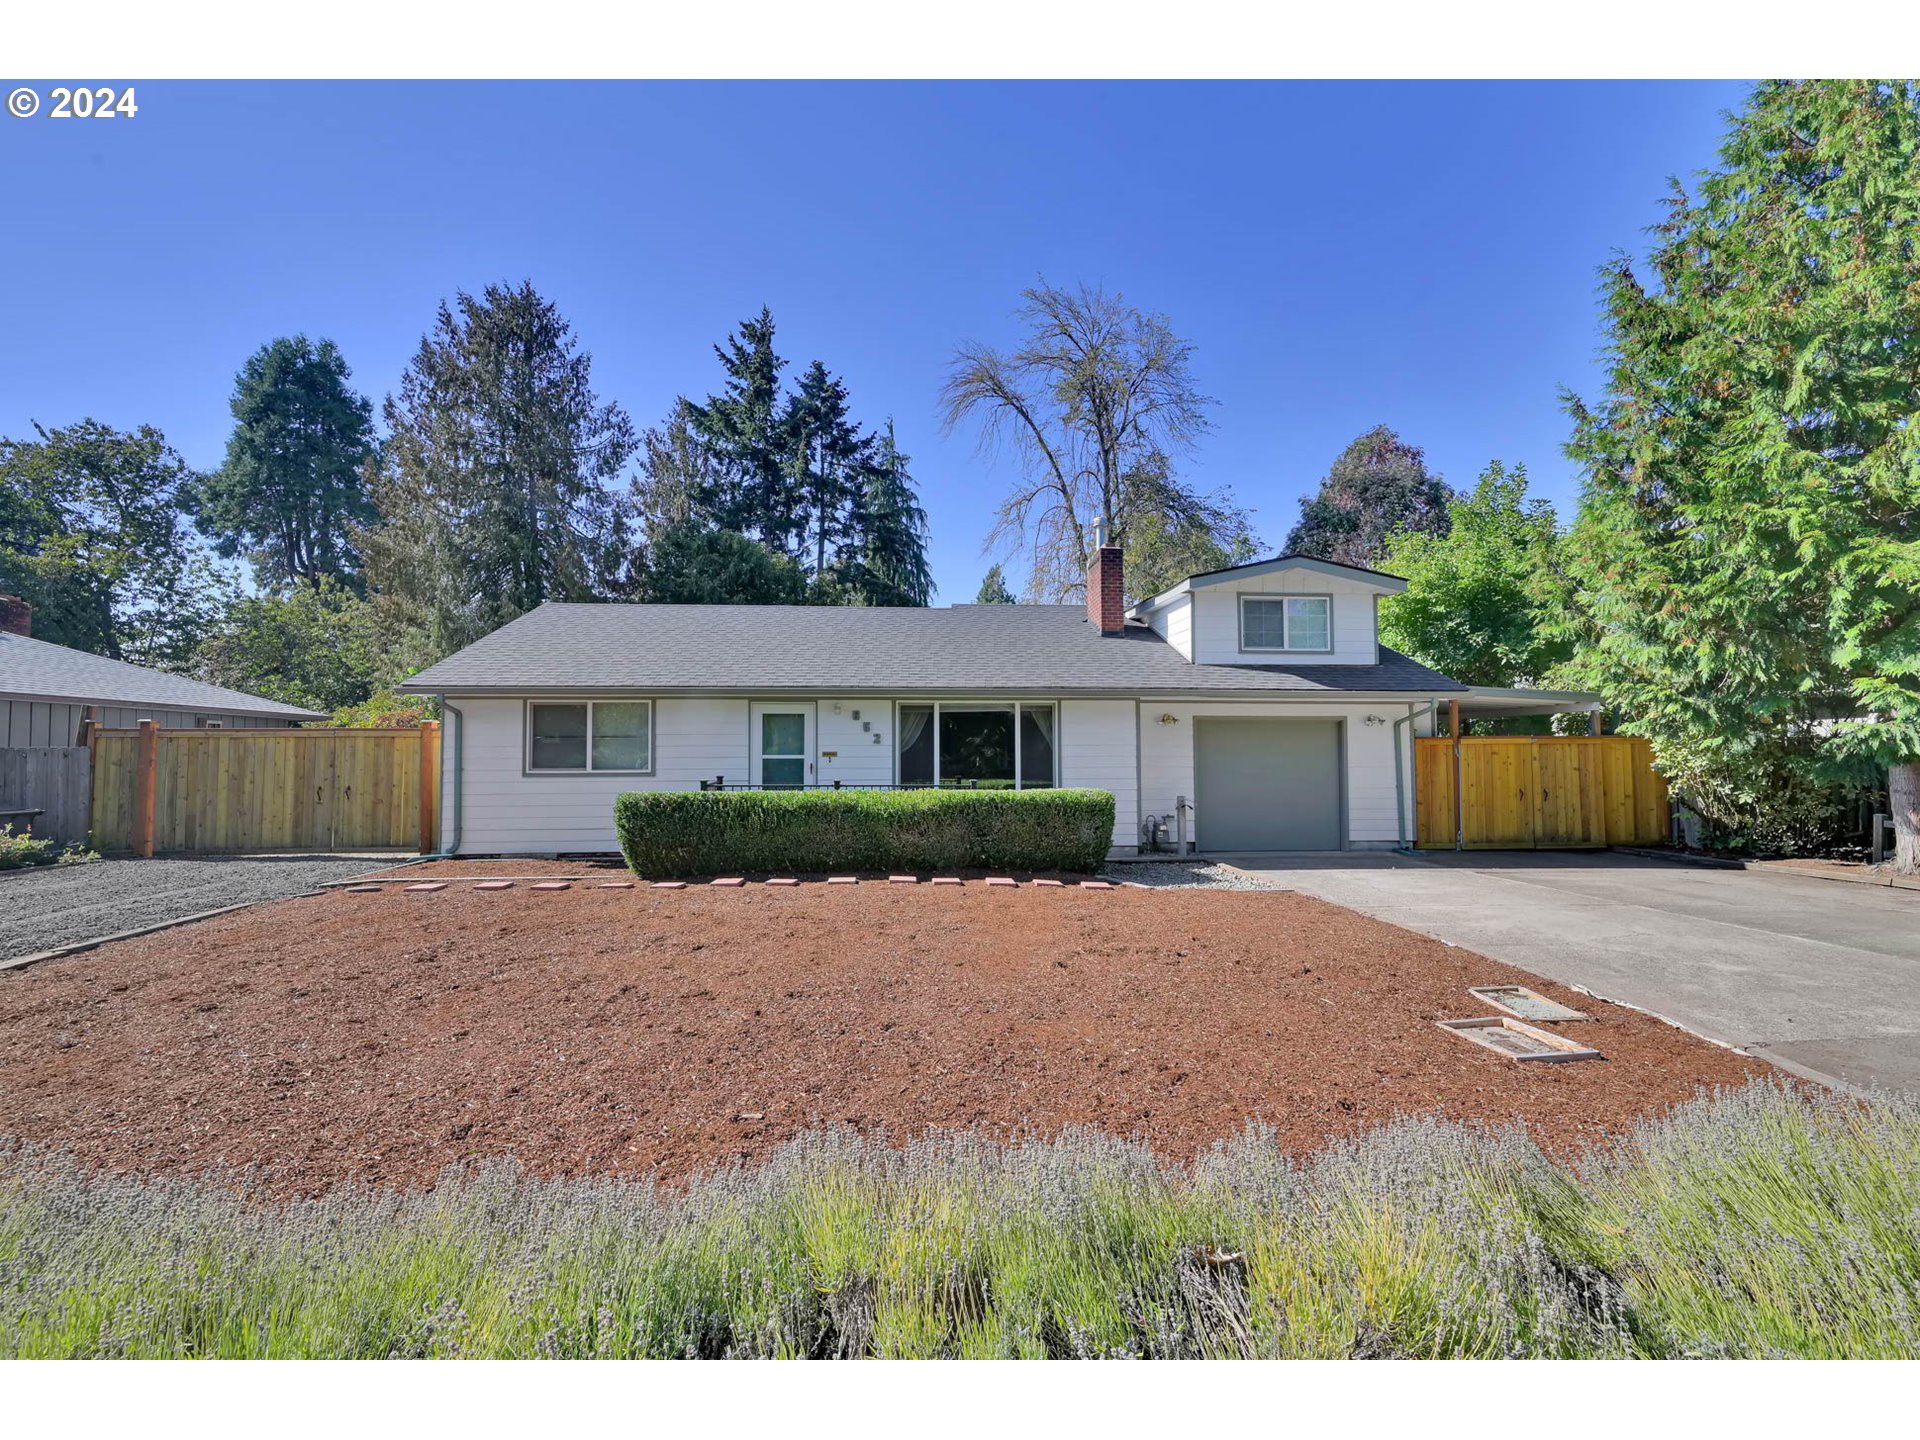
point(1267, 784)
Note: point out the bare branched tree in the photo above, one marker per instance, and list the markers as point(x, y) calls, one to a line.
point(1098, 395)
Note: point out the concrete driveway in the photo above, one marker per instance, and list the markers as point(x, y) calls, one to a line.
point(1819, 977)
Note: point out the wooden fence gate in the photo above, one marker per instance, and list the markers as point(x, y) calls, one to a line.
point(231, 791)
point(53, 780)
point(1524, 792)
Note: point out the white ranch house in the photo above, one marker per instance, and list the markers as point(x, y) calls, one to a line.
point(1249, 709)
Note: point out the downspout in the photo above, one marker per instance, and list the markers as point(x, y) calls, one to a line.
point(1399, 774)
point(450, 844)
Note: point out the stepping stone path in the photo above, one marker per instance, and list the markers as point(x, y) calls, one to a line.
point(669, 885)
point(947, 880)
point(1051, 884)
point(783, 880)
point(614, 885)
point(494, 885)
point(551, 885)
point(843, 880)
point(427, 888)
point(1000, 880)
point(363, 889)
point(903, 879)
point(731, 882)
point(1095, 885)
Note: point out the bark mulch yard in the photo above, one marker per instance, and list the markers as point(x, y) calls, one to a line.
point(380, 1037)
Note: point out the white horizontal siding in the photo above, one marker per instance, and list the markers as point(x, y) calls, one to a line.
point(850, 752)
point(1174, 624)
point(508, 812)
point(1097, 751)
point(1167, 769)
point(1216, 621)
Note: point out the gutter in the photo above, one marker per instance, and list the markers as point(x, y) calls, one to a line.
point(450, 844)
point(1399, 773)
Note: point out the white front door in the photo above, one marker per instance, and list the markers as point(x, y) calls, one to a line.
point(782, 743)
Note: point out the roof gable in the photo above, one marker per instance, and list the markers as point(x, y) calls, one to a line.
point(1376, 579)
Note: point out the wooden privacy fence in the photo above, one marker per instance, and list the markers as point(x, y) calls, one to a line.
point(231, 791)
point(1523, 792)
point(53, 780)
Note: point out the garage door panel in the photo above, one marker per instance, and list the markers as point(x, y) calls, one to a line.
point(1268, 784)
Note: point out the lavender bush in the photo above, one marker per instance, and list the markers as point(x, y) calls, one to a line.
point(1758, 1222)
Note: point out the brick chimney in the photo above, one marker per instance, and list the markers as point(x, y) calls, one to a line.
point(1106, 586)
point(16, 616)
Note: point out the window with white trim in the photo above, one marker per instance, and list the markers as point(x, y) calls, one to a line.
point(587, 735)
point(977, 744)
point(1286, 622)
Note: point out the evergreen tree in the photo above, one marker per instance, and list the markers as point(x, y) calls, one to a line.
point(291, 485)
point(1747, 553)
point(1478, 603)
point(1378, 485)
point(993, 589)
point(690, 565)
point(748, 442)
point(890, 567)
point(492, 488)
point(830, 468)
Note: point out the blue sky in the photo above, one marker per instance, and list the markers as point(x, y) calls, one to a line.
point(1416, 254)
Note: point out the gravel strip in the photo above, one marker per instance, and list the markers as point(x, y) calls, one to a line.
point(63, 904)
point(1186, 875)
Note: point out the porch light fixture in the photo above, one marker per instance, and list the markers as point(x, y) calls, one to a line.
point(1373, 720)
point(1169, 718)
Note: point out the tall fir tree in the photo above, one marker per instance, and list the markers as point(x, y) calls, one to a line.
point(291, 485)
point(993, 588)
point(1378, 485)
point(493, 488)
point(890, 528)
point(830, 465)
point(1746, 560)
point(745, 433)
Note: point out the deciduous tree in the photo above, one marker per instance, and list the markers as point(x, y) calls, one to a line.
point(1378, 485)
point(1097, 394)
point(1479, 599)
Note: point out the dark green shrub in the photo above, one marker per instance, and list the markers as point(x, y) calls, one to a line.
point(788, 831)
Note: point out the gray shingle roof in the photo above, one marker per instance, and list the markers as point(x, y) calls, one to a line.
point(973, 649)
point(40, 671)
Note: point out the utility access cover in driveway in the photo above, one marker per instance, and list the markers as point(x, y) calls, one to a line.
point(1267, 784)
point(1813, 974)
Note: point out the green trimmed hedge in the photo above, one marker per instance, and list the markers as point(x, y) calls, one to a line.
point(793, 831)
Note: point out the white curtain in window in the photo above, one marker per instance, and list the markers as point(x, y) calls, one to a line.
point(913, 724)
point(1042, 716)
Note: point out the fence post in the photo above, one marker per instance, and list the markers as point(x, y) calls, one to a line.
point(429, 783)
point(146, 781)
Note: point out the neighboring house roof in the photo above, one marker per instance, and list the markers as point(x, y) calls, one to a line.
point(966, 649)
point(1379, 579)
point(36, 670)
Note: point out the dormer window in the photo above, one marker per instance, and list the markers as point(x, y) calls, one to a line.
point(1286, 623)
